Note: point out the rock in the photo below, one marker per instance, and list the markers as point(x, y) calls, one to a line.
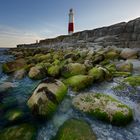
point(46, 97)
point(19, 132)
point(13, 66)
point(128, 53)
point(14, 115)
point(132, 80)
point(136, 65)
point(97, 74)
point(72, 69)
point(103, 107)
point(36, 73)
point(19, 74)
point(97, 58)
point(79, 82)
point(75, 130)
point(125, 67)
point(71, 55)
point(112, 55)
point(54, 71)
point(6, 86)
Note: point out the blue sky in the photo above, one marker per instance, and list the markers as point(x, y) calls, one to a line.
point(24, 21)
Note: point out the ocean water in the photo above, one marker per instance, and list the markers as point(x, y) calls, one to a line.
point(18, 96)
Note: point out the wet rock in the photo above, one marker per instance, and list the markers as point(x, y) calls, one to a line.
point(36, 73)
point(13, 66)
point(128, 53)
point(19, 74)
point(19, 132)
point(103, 107)
point(125, 67)
point(79, 82)
point(72, 69)
point(112, 55)
point(97, 74)
point(46, 97)
point(136, 65)
point(54, 71)
point(6, 86)
point(75, 130)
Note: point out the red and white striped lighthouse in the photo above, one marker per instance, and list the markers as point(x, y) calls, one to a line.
point(71, 22)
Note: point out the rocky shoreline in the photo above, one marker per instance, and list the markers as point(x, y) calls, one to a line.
point(76, 69)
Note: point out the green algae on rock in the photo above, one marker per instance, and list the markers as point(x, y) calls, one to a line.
point(97, 74)
point(46, 97)
point(72, 69)
point(79, 82)
point(74, 129)
point(13, 66)
point(133, 80)
point(19, 132)
point(54, 71)
point(103, 107)
point(14, 115)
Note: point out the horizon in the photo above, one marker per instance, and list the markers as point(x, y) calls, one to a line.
point(27, 21)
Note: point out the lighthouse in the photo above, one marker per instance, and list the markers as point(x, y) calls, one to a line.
point(71, 22)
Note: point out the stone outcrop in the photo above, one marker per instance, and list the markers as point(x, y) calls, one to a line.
point(125, 35)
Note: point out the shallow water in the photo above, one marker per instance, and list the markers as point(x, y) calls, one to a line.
point(18, 96)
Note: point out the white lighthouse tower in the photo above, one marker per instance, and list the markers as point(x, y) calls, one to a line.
point(71, 22)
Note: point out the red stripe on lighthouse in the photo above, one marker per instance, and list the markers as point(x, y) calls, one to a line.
point(71, 27)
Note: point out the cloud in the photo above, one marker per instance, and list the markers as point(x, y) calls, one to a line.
point(10, 37)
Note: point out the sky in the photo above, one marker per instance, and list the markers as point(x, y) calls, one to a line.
point(25, 21)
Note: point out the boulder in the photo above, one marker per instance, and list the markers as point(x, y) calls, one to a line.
point(6, 86)
point(97, 74)
point(13, 66)
point(79, 82)
point(72, 69)
point(19, 74)
point(19, 132)
point(46, 97)
point(125, 67)
point(103, 107)
point(128, 53)
point(136, 65)
point(74, 129)
point(112, 55)
point(54, 71)
point(36, 73)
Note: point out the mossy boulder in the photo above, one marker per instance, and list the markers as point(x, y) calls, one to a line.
point(125, 67)
point(97, 74)
point(97, 58)
point(74, 129)
point(79, 82)
point(54, 71)
point(72, 69)
point(46, 97)
point(13, 66)
point(111, 55)
point(19, 132)
point(104, 107)
point(37, 73)
point(133, 80)
point(14, 115)
point(129, 53)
